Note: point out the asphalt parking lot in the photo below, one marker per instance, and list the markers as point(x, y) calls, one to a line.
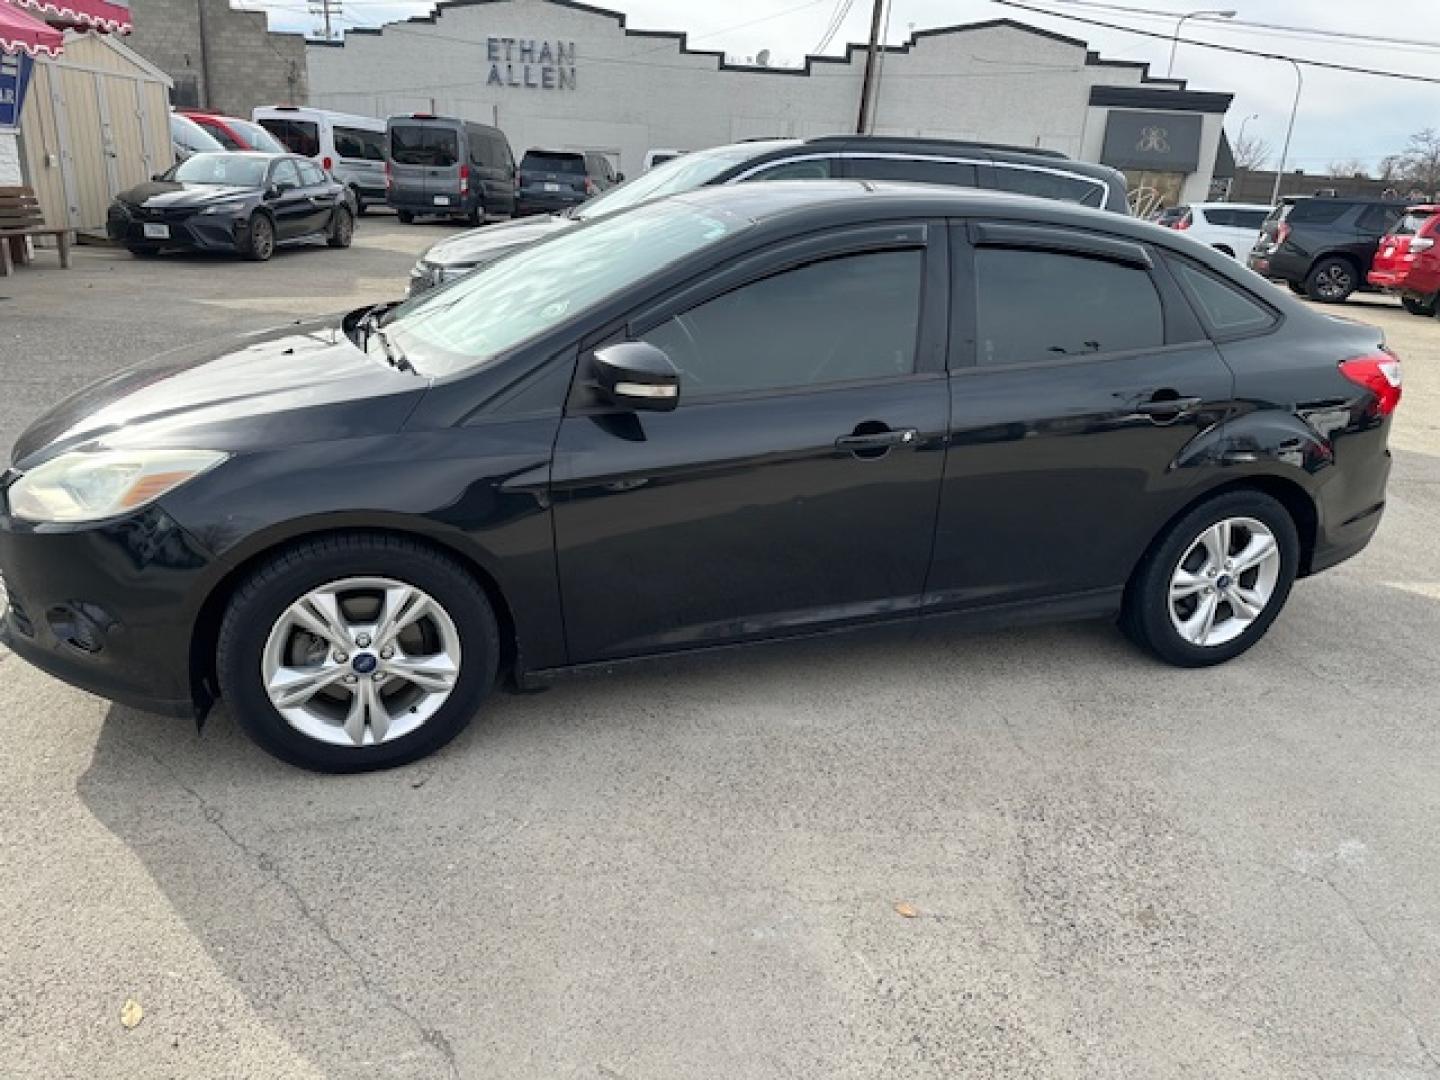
point(1034, 853)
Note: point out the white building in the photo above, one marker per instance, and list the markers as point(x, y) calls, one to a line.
point(562, 74)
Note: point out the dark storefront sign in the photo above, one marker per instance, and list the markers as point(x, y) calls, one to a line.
point(14, 77)
point(529, 64)
point(1159, 141)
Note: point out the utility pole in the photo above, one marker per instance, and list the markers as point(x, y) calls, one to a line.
point(863, 123)
point(325, 8)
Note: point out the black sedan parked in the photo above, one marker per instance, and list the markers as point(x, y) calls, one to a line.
point(738, 414)
point(235, 202)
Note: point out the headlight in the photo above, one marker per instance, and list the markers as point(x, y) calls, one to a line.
point(90, 485)
point(233, 206)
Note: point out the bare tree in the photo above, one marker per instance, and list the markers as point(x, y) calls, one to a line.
point(1251, 152)
point(1418, 167)
point(1348, 167)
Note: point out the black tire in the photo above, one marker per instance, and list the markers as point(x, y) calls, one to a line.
point(1297, 287)
point(143, 251)
point(1331, 280)
point(342, 228)
point(475, 218)
point(259, 242)
point(1422, 306)
point(405, 216)
point(274, 586)
point(360, 207)
point(1146, 617)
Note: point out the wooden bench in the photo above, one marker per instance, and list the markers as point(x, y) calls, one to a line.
point(21, 216)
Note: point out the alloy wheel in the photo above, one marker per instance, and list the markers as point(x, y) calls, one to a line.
point(262, 238)
point(1333, 282)
point(1224, 581)
point(361, 661)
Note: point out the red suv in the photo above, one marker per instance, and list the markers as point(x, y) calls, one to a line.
point(234, 133)
point(1408, 260)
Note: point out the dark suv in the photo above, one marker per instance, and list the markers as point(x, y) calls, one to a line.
point(554, 180)
point(1322, 247)
point(1026, 171)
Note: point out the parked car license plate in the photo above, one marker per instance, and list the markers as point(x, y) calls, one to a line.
point(442, 200)
point(156, 232)
point(552, 187)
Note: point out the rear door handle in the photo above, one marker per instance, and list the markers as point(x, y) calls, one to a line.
point(876, 440)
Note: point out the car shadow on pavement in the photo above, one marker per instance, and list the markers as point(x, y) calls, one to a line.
point(584, 869)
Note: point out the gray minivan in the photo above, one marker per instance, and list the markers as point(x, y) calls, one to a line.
point(447, 167)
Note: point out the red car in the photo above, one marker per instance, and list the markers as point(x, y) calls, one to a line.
point(1408, 260)
point(235, 134)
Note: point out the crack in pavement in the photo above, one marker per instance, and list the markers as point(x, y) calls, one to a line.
point(435, 1038)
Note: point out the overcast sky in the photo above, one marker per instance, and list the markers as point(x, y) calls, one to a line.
point(1342, 116)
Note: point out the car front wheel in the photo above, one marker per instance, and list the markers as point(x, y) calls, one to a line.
point(357, 652)
point(1216, 580)
point(342, 228)
point(259, 243)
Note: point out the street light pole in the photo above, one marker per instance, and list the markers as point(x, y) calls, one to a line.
point(1240, 139)
point(1228, 13)
point(1285, 150)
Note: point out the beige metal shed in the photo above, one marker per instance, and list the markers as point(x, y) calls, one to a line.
point(96, 121)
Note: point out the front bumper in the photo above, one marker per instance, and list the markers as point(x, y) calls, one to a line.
point(105, 607)
point(185, 229)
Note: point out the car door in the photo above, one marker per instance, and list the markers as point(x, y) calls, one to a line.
point(796, 483)
point(1080, 382)
point(290, 203)
point(321, 192)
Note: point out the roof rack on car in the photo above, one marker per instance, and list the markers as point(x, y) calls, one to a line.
point(1035, 151)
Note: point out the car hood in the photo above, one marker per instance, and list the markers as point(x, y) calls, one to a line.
point(301, 383)
point(491, 241)
point(159, 194)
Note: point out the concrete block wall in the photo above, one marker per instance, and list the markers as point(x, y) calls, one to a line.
point(249, 65)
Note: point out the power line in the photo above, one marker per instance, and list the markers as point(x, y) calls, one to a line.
point(1234, 49)
point(837, 20)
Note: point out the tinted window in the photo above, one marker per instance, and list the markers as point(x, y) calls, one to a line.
point(954, 173)
point(299, 136)
point(1316, 212)
point(359, 144)
point(284, 174)
point(1226, 308)
point(500, 152)
point(1379, 219)
point(415, 144)
point(310, 173)
point(1040, 305)
point(545, 161)
point(855, 317)
point(1049, 185)
point(813, 169)
point(220, 135)
point(1246, 219)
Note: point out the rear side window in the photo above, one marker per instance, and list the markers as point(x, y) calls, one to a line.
point(544, 161)
point(416, 144)
point(1048, 185)
point(1225, 308)
point(1379, 219)
point(1411, 224)
point(1033, 306)
point(311, 175)
point(359, 145)
point(812, 169)
point(299, 136)
point(1316, 212)
point(848, 318)
point(952, 173)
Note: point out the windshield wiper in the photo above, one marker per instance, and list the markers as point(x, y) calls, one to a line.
point(393, 356)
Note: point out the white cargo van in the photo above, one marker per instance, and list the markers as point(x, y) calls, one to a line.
point(351, 148)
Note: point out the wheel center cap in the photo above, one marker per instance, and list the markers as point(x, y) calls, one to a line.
point(1224, 581)
point(365, 663)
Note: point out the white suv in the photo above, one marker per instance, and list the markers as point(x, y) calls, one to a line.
point(1227, 227)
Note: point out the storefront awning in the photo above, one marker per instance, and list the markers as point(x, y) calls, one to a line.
point(24, 33)
point(87, 14)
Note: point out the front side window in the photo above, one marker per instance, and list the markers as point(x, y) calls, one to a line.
point(419, 144)
point(284, 175)
point(311, 175)
point(1049, 185)
point(1033, 306)
point(466, 324)
point(848, 318)
point(952, 173)
point(810, 169)
point(1226, 308)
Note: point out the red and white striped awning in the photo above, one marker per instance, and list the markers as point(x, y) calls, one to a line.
point(86, 14)
point(21, 32)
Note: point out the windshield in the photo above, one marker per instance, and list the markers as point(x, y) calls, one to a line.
point(468, 323)
point(1411, 223)
point(684, 173)
point(417, 144)
point(239, 170)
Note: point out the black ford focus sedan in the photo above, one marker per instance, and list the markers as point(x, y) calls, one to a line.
point(734, 415)
point(243, 202)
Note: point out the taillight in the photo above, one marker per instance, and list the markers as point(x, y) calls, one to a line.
point(590, 188)
point(387, 176)
point(464, 179)
point(1282, 233)
point(1380, 374)
point(1183, 223)
point(327, 163)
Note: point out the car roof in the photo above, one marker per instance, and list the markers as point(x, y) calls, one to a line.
point(559, 153)
point(1377, 199)
point(1231, 205)
point(917, 143)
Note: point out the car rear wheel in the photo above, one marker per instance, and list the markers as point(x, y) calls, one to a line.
point(405, 216)
point(342, 228)
point(1212, 585)
point(360, 205)
point(357, 652)
point(1420, 305)
point(259, 242)
point(1297, 287)
point(1331, 281)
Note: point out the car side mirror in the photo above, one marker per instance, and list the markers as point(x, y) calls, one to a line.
point(272, 191)
point(619, 178)
point(637, 375)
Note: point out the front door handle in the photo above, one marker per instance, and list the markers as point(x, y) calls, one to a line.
point(1167, 405)
point(872, 444)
